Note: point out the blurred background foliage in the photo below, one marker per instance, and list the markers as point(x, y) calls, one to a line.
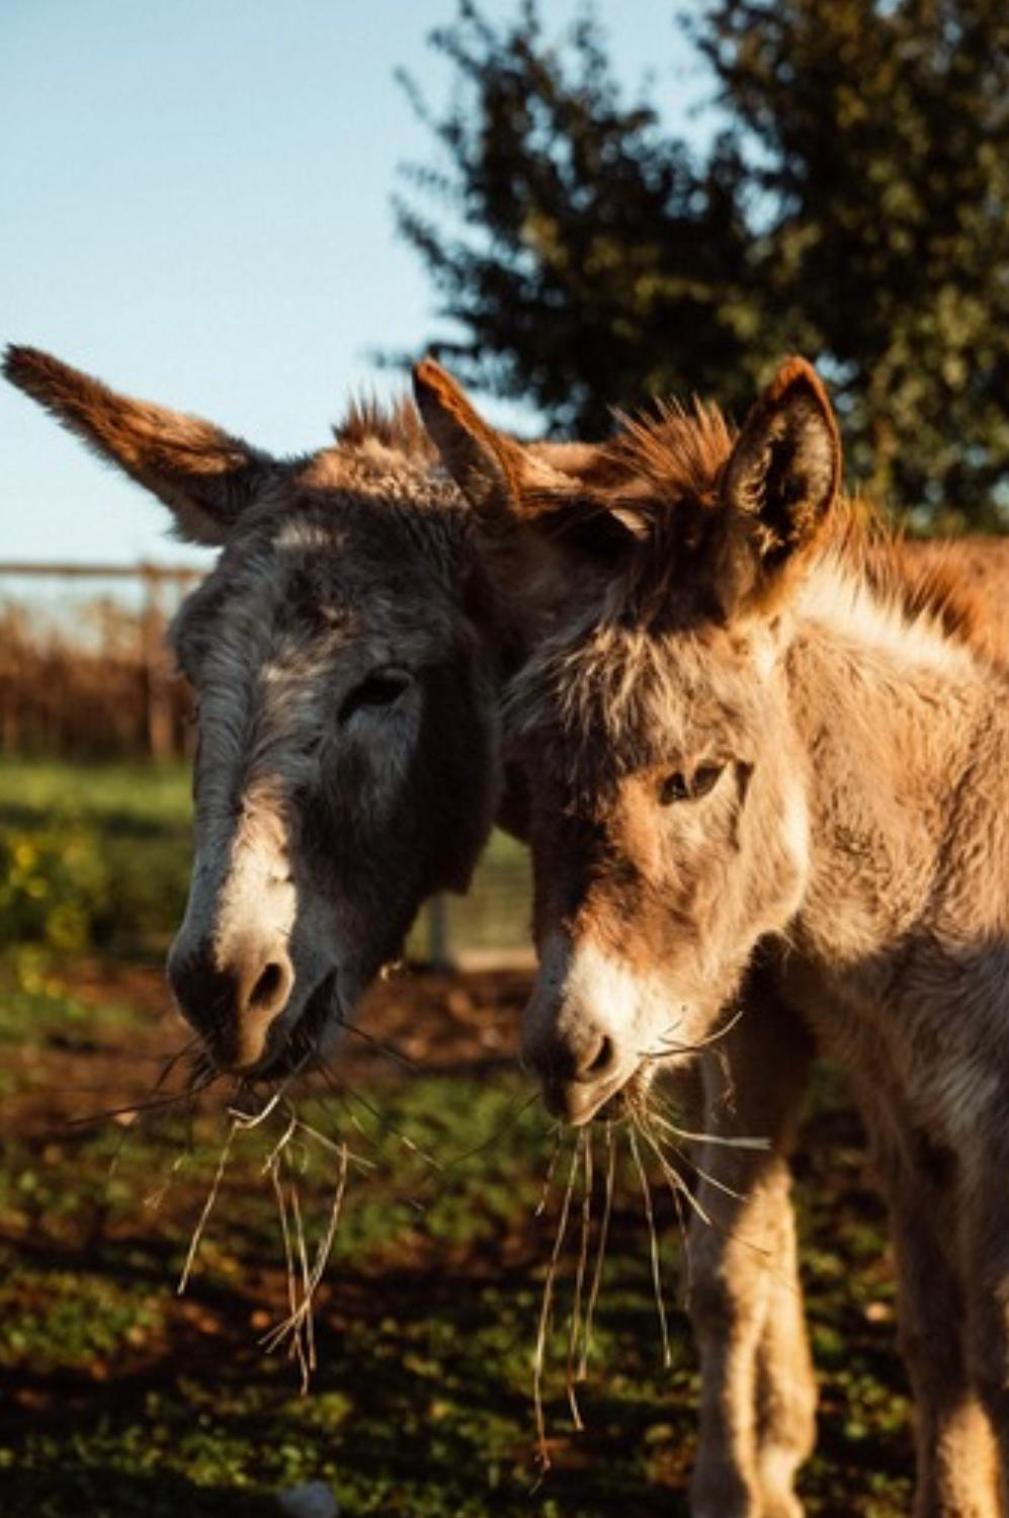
point(852, 204)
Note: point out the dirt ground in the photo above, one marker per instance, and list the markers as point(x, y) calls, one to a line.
point(441, 1021)
point(124, 1398)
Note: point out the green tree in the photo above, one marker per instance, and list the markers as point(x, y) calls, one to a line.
point(854, 206)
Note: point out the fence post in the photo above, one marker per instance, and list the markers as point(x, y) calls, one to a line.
point(439, 949)
point(155, 665)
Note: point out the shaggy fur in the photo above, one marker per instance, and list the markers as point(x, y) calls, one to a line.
point(360, 555)
point(766, 758)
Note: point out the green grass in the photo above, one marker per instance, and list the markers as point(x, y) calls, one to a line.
point(109, 851)
point(93, 857)
point(129, 798)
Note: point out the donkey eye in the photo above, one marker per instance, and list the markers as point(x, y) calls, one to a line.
point(673, 788)
point(382, 688)
point(677, 787)
point(705, 779)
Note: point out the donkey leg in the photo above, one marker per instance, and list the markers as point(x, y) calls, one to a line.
point(956, 1463)
point(756, 1381)
point(786, 1385)
point(986, 1272)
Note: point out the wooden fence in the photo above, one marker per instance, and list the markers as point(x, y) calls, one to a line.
point(96, 679)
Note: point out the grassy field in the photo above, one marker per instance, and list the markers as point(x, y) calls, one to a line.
point(123, 1397)
point(107, 851)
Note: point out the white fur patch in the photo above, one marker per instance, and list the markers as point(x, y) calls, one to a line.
point(635, 1010)
point(845, 605)
point(258, 898)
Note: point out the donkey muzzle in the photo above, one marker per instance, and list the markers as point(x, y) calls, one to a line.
point(234, 1000)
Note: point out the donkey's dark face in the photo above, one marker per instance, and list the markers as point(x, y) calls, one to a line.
point(346, 765)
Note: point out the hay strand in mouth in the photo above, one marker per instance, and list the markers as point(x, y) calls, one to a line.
point(539, 1357)
point(669, 1147)
point(548, 1178)
point(585, 1149)
point(672, 1176)
point(306, 1323)
point(208, 1206)
point(646, 1195)
point(299, 1325)
point(673, 1047)
point(597, 1269)
point(297, 1347)
point(657, 1111)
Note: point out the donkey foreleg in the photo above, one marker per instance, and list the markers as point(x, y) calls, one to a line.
point(786, 1385)
point(956, 1456)
point(757, 1391)
point(986, 1277)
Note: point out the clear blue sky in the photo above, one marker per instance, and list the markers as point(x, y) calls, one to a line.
point(195, 206)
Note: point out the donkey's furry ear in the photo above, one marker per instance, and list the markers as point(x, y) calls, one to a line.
point(785, 469)
point(505, 483)
point(485, 464)
point(204, 476)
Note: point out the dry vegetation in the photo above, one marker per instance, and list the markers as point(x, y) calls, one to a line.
point(97, 683)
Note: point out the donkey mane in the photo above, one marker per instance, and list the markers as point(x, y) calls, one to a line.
point(665, 469)
point(678, 450)
point(393, 424)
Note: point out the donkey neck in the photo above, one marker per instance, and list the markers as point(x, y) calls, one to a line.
point(902, 732)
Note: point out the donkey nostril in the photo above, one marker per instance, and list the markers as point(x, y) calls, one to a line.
point(265, 990)
point(602, 1059)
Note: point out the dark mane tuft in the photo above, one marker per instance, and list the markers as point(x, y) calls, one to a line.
point(679, 451)
point(395, 424)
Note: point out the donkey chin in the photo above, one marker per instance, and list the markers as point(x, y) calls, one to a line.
point(578, 1104)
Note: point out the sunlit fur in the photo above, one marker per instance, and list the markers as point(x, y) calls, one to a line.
point(858, 832)
point(847, 873)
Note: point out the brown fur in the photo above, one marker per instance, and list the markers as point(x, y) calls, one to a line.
point(396, 425)
point(848, 703)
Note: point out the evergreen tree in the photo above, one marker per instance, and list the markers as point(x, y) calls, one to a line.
point(854, 207)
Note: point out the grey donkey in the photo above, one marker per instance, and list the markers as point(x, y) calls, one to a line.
point(346, 658)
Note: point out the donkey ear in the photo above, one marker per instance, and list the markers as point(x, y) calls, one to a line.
point(533, 504)
point(484, 463)
point(204, 476)
point(503, 481)
point(785, 469)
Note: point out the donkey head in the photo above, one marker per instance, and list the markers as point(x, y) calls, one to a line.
point(347, 753)
point(667, 784)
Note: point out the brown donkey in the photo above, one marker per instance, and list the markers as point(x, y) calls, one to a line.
point(345, 657)
point(767, 761)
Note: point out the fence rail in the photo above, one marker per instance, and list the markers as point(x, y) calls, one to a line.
point(112, 692)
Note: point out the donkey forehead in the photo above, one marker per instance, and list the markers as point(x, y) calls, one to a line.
point(619, 701)
point(305, 584)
